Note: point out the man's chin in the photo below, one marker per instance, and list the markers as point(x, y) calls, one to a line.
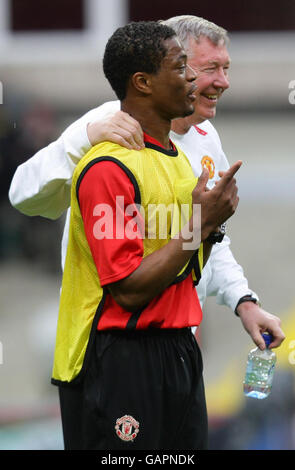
point(205, 114)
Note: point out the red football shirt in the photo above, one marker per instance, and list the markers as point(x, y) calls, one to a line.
point(117, 256)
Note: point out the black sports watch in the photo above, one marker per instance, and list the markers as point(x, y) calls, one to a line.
point(217, 237)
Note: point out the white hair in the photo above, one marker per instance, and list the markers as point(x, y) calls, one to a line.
point(187, 26)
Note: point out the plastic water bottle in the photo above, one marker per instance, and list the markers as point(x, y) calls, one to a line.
point(260, 370)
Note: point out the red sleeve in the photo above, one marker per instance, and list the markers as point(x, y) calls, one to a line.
point(111, 221)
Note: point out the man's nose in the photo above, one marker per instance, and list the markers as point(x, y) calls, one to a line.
point(222, 80)
point(191, 75)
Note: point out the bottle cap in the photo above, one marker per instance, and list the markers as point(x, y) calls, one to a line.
point(268, 338)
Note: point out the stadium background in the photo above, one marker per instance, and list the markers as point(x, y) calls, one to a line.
point(50, 70)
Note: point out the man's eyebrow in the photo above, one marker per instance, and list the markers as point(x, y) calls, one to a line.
point(216, 62)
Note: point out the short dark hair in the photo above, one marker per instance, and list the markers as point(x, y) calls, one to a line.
point(136, 47)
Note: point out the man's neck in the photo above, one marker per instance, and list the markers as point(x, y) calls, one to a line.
point(151, 123)
point(182, 125)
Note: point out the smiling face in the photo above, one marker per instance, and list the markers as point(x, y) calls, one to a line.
point(211, 63)
point(173, 87)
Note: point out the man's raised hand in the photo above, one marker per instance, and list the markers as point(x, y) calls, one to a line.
point(218, 204)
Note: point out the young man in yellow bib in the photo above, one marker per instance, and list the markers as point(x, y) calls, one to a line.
point(128, 302)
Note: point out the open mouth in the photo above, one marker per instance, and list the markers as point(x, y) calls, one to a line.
point(211, 97)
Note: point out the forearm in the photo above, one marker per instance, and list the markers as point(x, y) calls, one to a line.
point(160, 269)
point(228, 282)
point(42, 185)
point(155, 273)
point(132, 278)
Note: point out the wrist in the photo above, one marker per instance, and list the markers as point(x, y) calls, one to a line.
point(93, 133)
point(206, 229)
point(245, 303)
point(190, 237)
point(217, 235)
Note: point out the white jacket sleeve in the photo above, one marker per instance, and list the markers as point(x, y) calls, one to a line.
point(224, 276)
point(227, 281)
point(42, 185)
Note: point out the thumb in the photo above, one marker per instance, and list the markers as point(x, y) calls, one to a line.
point(203, 180)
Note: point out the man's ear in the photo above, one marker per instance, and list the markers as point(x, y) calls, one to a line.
point(142, 82)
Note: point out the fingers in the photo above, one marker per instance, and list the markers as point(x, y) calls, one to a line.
point(257, 322)
point(201, 186)
point(203, 180)
point(278, 337)
point(129, 130)
point(227, 186)
point(258, 339)
point(120, 128)
point(124, 138)
point(273, 327)
point(277, 334)
point(228, 175)
point(234, 168)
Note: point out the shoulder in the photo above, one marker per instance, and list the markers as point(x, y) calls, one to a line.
point(105, 160)
point(104, 109)
point(104, 151)
point(208, 129)
point(210, 144)
point(104, 181)
point(205, 133)
point(95, 114)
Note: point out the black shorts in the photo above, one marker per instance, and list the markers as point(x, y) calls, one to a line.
point(143, 390)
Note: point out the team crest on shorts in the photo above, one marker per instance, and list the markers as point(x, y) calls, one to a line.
point(207, 162)
point(127, 428)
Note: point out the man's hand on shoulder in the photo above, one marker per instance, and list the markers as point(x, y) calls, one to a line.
point(119, 128)
point(256, 321)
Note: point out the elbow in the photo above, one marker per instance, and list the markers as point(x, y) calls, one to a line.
point(131, 302)
point(13, 199)
point(32, 212)
point(132, 295)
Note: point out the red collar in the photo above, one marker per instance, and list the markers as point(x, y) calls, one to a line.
point(200, 131)
point(151, 140)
